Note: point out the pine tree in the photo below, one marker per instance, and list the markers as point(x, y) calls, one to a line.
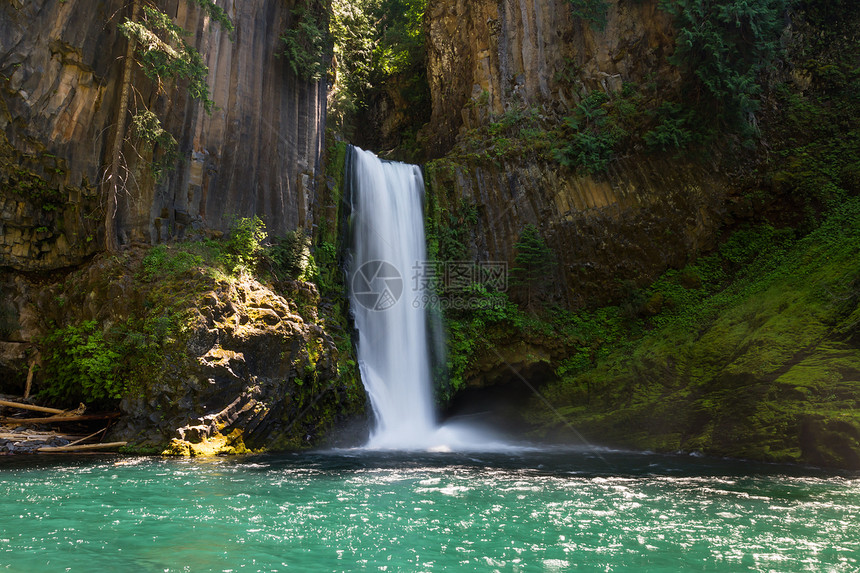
point(533, 264)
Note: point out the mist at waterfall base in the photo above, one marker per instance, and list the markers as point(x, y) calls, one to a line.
point(399, 341)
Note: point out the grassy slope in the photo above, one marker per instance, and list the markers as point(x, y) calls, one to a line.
point(765, 365)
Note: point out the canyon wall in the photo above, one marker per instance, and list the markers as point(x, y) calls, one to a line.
point(609, 234)
point(486, 56)
point(60, 68)
point(611, 230)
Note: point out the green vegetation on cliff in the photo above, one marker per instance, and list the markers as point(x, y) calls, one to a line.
point(379, 53)
point(722, 50)
point(161, 49)
point(591, 11)
point(750, 352)
point(306, 41)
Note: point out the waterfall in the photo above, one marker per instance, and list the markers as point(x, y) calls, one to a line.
point(388, 247)
point(387, 278)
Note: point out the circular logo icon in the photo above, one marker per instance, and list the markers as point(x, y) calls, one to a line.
point(377, 285)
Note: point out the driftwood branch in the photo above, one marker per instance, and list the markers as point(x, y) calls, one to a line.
point(105, 446)
point(21, 406)
point(29, 379)
point(85, 438)
point(35, 435)
point(53, 419)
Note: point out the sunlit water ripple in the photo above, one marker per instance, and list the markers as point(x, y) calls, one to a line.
point(345, 511)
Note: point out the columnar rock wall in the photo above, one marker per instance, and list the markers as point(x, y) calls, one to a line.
point(610, 231)
point(494, 54)
point(60, 69)
point(608, 234)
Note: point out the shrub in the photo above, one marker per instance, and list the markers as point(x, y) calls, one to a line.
point(244, 245)
point(81, 365)
point(533, 263)
point(290, 256)
point(673, 128)
point(723, 47)
point(305, 44)
point(591, 136)
point(162, 262)
point(592, 11)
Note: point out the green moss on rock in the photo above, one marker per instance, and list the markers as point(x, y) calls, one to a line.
point(762, 369)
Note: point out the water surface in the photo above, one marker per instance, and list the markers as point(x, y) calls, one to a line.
point(346, 511)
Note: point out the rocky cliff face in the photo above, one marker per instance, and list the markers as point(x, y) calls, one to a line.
point(216, 364)
point(492, 61)
point(60, 65)
point(608, 233)
point(485, 56)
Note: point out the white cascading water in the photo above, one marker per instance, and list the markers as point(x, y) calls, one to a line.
point(393, 352)
point(395, 348)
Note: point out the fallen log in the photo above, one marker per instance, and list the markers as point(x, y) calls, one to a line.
point(53, 419)
point(22, 406)
point(85, 438)
point(82, 447)
point(37, 436)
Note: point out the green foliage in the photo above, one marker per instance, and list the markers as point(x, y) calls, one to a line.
point(163, 145)
point(516, 132)
point(306, 42)
point(161, 263)
point(675, 128)
point(817, 136)
point(324, 268)
point(354, 36)
point(592, 11)
point(401, 40)
point(291, 257)
point(33, 187)
point(590, 136)
point(244, 245)
point(723, 48)
point(100, 363)
point(471, 333)
point(374, 42)
point(242, 250)
point(81, 365)
point(246, 249)
point(453, 234)
point(329, 228)
point(215, 12)
point(533, 263)
point(164, 53)
point(750, 341)
point(598, 129)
